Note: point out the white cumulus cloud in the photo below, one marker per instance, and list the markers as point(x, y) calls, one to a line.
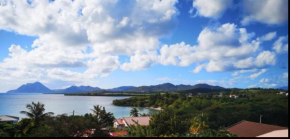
point(221, 48)
point(255, 75)
point(280, 45)
point(273, 12)
point(211, 8)
point(84, 34)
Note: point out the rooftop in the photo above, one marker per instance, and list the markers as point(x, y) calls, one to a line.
point(6, 118)
point(118, 133)
point(276, 133)
point(141, 120)
point(252, 129)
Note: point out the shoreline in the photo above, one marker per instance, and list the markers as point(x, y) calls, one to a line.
point(158, 108)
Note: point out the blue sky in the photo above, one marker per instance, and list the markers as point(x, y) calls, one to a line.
point(119, 43)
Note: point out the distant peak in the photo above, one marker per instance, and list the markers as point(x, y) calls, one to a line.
point(37, 83)
point(167, 84)
point(202, 84)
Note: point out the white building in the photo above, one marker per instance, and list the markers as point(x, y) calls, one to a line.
point(127, 121)
point(234, 96)
point(9, 119)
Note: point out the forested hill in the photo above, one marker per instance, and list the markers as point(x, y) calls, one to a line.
point(168, 87)
point(221, 111)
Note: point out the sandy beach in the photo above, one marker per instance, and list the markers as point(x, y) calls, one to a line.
point(158, 108)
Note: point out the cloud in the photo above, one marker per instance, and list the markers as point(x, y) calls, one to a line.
point(255, 75)
point(265, 58)
point(221, 48)
point(140, 61)
point(211, 8)
point(85, 34)
point(272, 12)
point(198, 68)
point(264, 80)
point(285, 75)
point(269, 36)
point(164, 79)
point(243, 71)
point(280, 45)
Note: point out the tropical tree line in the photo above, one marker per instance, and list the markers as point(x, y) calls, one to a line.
point(205, 115)
point(41, 124)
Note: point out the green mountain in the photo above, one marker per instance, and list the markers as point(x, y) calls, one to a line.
point(167, 87)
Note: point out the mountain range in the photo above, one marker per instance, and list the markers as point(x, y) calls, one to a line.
point(283, 88)
point(37, 87)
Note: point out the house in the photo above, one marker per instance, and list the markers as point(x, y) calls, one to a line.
point(9, 119)
point(276, 133)
point(253, 129)
point(189, 95)
point(128, 121)
point(118, 133)
point(282, 93)
point(234, 96)
point(221, 95)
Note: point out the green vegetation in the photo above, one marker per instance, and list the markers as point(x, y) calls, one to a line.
point(198, 114)
point(40, 124)
point(134, 112)
point(181, 114)
point(106, 94)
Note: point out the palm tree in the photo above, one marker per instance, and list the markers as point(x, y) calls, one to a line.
point(35, 113)
point(134, 112)
point(198, 124)
point(97, 110)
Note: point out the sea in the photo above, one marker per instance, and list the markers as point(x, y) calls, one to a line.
point(12, 104)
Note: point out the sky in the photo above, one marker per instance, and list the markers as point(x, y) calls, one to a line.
point(112, 43)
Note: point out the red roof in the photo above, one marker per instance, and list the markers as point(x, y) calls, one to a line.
point(120, 122)
point(252, 129)
point(86, 133)
point(118, 133)
point(141, 120)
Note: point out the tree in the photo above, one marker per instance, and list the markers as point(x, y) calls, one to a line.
point(198, 124)
point(134, 112)
point(101, 119)
point(168, 122)
point(36, 114)
point(7, 129)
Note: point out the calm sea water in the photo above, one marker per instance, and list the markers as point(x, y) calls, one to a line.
point(12, 104)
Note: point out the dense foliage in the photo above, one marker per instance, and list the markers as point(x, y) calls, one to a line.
point(220, 111)
point(40, 124)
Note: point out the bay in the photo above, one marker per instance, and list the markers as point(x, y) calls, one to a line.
point(12, 104)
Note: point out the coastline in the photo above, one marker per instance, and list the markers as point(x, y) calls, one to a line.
point(158, 108)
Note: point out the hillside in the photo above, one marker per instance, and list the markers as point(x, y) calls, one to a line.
point(166, 87)
point(36, 87)
point(121, 88)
